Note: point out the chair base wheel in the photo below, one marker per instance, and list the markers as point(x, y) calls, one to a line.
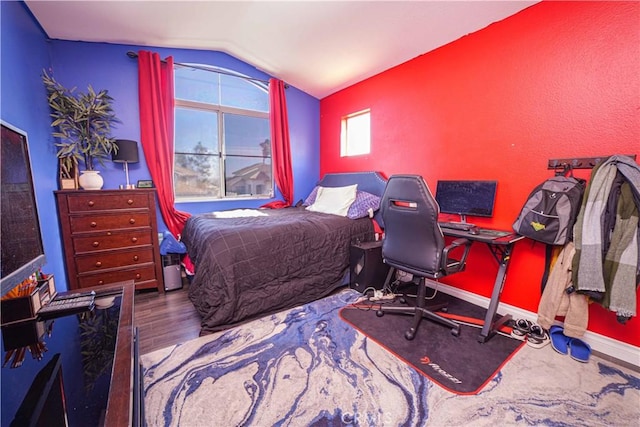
point(410, 334)
point(379, 313)
point(455, 332)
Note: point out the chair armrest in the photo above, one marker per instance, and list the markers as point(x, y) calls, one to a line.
point(460, 262)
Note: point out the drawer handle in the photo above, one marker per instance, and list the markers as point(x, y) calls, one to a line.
point(95, 244)
point(132, 221)
point(129, 202)
point(136, 257)
point(93, 224)
point(138, 276)
point(100, 282)
point(134, 239)
point(91, 203)
point(98, 264)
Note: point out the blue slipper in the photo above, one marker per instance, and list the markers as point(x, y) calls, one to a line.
point(559, 341)
point(580, 350)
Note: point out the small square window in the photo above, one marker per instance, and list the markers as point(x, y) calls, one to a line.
point(355, 137)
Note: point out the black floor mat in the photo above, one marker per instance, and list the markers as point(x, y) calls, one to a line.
point(459, 364)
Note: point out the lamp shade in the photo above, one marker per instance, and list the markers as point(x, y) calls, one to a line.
point(127, 151)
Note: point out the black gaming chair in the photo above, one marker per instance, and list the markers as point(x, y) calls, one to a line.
point(413, 242)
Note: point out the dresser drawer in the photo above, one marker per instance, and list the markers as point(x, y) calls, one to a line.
point(99, 202)
point(109, 260)
point(109, 222)
point(143, 273)
point(109, 240)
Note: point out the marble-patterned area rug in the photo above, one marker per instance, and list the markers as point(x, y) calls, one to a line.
point(306, 366)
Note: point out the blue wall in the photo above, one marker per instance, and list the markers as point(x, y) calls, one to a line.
point(26, 51)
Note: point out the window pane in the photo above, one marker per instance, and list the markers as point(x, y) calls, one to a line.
point(196, 162)
point(246, 136)
point(242, 93)
point(358, 135)
point(196, 85)
point(248, 176)
point(196, 176)
point(193, 127)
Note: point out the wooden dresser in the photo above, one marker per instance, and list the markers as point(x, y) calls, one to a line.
point(110, 236)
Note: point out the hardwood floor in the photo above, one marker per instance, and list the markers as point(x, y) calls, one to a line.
point(165, 319)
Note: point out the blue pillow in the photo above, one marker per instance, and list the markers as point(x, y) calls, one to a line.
point(360, 207)
point(311, 197)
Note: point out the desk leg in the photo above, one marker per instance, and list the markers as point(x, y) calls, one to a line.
point(489, 329)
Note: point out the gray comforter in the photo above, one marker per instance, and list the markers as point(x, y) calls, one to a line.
point(254, 265)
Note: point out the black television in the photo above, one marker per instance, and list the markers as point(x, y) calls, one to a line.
point(21, 239)
point(472, 198)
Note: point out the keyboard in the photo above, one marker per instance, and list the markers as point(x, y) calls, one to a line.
point(62, 305)
point(493, 233)
point(463, 226)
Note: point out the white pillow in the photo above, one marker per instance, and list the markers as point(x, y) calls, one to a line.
point(334, 200)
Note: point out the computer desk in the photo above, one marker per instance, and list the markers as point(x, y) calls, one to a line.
point(501, 248)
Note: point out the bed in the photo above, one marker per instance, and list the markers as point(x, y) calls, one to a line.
point(252, 262)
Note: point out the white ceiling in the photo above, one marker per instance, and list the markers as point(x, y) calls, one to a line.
point(319, 47)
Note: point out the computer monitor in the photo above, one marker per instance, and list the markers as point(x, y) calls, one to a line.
point(473, 198)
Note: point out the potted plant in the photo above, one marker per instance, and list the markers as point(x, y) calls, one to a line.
point(83, 122)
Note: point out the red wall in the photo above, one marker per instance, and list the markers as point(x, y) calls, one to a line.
point(559, 79)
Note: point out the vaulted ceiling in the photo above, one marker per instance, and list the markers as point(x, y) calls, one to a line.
point(319, 47)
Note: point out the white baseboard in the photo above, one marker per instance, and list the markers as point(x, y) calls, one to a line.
point(600, 343)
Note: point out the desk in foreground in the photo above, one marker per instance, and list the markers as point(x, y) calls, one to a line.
point(501, 248)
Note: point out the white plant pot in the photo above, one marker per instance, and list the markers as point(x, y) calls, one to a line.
point(90, 180)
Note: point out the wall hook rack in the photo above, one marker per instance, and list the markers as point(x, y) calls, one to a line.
point(579, 162)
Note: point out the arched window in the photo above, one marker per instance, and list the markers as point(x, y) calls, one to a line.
point(222, 136)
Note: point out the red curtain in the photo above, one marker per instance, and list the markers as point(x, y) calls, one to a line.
point(155, 80)
point(281, 150)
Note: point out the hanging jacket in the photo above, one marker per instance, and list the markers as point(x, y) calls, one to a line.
point(556, 301)
point(606, 263)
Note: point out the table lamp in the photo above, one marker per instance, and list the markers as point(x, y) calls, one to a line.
point(127, 153)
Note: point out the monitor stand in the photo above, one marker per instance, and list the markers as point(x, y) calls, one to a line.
point(463, 220)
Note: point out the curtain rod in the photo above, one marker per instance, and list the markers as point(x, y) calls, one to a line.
point(134, 55)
